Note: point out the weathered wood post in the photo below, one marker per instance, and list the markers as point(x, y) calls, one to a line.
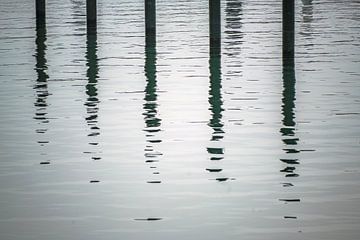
point(91, 16)
point(288, 27)
point(150, 22)
point(289, 80)
point(215, 25)
point(40, 12)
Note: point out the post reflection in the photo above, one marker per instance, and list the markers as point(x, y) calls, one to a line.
point(215, 149)
point(152, 121)
point(41, 85)
point(92, 100)
point(215, 26)
point(215, 98)
point(288, 130)
point(288, 100)
point(150, 23)
point(288, 34)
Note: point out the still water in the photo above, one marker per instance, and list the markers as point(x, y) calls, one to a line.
point(103, 138)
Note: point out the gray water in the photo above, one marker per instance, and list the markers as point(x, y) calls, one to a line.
point(102, 138)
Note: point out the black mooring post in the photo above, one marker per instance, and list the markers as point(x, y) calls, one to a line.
point(289, 79)
point(40, 12)
point(150, 21)
point(91, 16)
point(215, 25)
point(288, 31)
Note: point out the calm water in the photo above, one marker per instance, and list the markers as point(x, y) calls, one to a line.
point(102, 138)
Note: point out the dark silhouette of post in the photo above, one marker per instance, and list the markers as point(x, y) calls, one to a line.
point(152, 121)
point(151, 116)
point(288, 38)
point(92, 76)
point(288, 27)
point(40, 12)
point(215, 25)
point(288, 130)
point(288, 102)
point(150, 22)
point(92, 100)
point(215, 150)
point(215, 98)
point(91, 16)
point(41, 88)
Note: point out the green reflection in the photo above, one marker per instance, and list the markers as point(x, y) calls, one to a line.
point(91, 16)
point(92, 75)
point(289, 94)
point(215, 98)
point(40, 6)
point(92, 100)
point(288, 26)
point(152, 122)
point(41, 85)
point(288, 98)
point(216, 107)
point(215, 26)
point(150, 23)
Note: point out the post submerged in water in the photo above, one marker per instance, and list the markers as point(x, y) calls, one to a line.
point(150, 21)
point(215, 25)
point(40, 12)
point(288, 27)
point(91, 16)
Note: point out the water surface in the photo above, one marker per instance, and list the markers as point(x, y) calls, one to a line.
point(103, 137)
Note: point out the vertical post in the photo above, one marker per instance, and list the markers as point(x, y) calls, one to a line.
point(40, 12)
point(288, 31)
point(150, 21)
point(91, 16)
point(215, 25)
point(288, 68)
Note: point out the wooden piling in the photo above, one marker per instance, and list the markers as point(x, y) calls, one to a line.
point(150, 21)
point(288, 26)
point(91, 16)
point(215, 25)
point(40, 7)
point(288, 55)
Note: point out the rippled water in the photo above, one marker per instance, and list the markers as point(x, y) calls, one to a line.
point(102, 138)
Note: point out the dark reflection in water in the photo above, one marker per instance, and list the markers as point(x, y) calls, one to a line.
point(41, 86)
point(150, 23)
point(216, 151)
point(288, 130)
point(92, 100)
point(152, 121)
point(215, 99)
point(215, 26)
